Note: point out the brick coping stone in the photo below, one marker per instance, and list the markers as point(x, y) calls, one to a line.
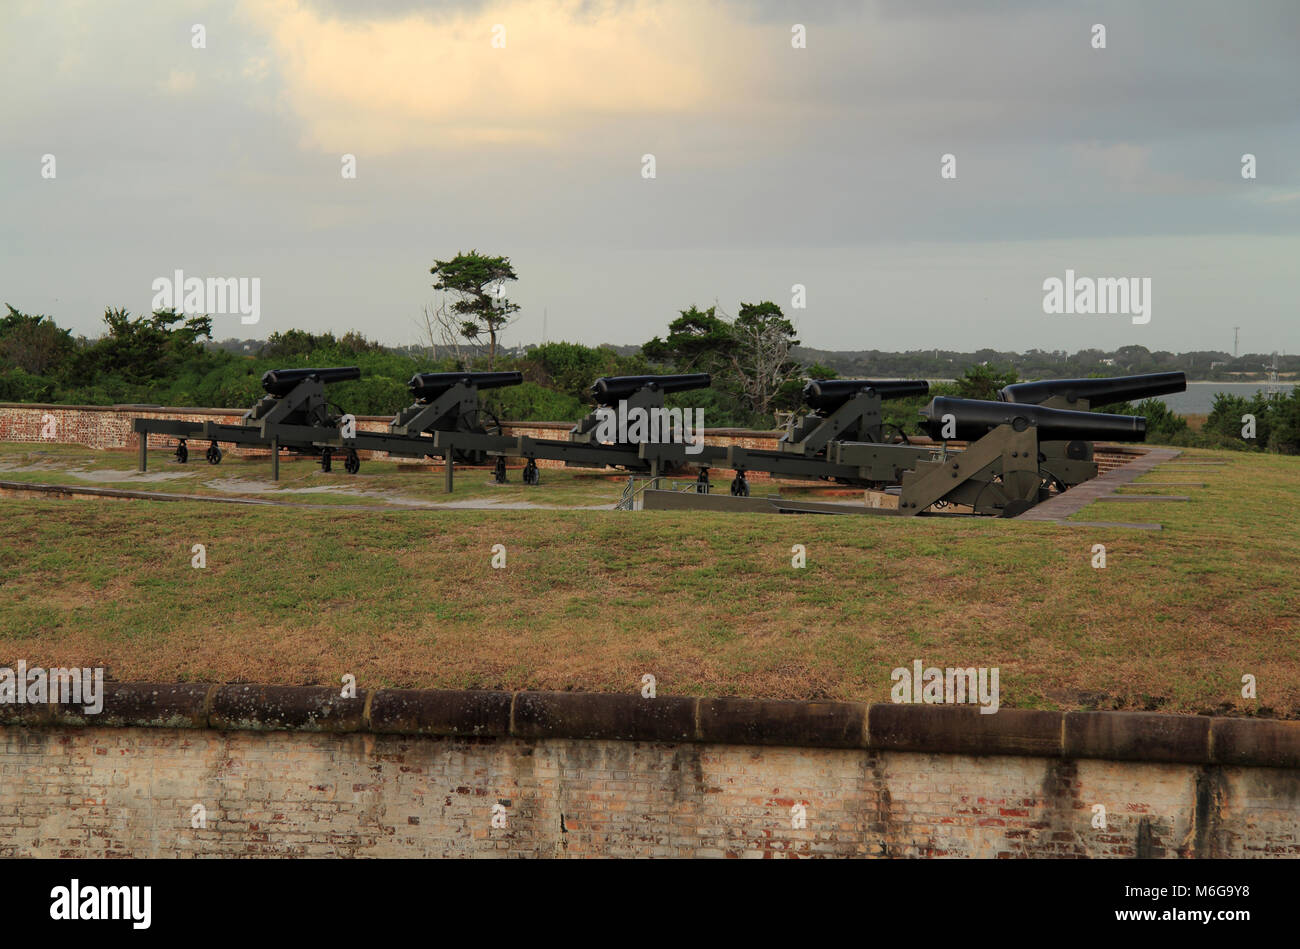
point(1124, 736)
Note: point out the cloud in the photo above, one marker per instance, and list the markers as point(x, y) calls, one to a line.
point(428, 79)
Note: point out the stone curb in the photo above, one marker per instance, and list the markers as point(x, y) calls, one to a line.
point(930, 729)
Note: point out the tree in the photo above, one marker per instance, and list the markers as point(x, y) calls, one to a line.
point(1285, 435)
point(355, 343)
point(761, 354)
point(984, 381)
point(292, 344)
point(750, 359)
point(697, 340)
point(1134, 358)
point(32, 343)
point(146, 348)
point(478, 281)
point(571, 367)
point(1225, 418)
point(1161, 420)
point(438, 327)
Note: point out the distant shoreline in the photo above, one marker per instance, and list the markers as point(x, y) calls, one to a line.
point(1198, 398)
point(1282, 380)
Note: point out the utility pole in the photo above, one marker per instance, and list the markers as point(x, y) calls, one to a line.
point(1236, 331)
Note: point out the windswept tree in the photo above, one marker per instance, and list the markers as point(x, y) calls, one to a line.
point(697, 341)
point(761, 355)
point(748, 357)
point(478, 283)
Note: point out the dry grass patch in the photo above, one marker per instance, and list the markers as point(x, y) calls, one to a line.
point(708, 603)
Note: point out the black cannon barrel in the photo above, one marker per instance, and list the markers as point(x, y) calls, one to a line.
point(281, 381)
point(1096, 391)
point(610, 389)
point(430, 385)
point(975, 418)
point(827, 395)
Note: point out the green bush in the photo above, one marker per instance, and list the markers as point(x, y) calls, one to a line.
point(19, 386)
point(531, 402)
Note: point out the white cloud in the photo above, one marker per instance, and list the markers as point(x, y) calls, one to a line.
point(397, 84)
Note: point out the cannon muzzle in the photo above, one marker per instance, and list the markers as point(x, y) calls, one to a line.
point(1096, 391)
point(610, 389)
point(282, 381)
point(975, 418)
point(827, 395)
point(429, 385)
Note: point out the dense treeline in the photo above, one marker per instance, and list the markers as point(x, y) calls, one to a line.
point(1039, 364)
point(161, 359)
point(166, 358)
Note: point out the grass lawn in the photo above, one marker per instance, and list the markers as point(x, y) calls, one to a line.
point(301, 479)
point(708, 603)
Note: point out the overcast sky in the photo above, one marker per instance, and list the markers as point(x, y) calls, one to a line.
point(775, 165)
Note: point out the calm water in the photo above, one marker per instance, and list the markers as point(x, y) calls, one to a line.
point(1199, 397)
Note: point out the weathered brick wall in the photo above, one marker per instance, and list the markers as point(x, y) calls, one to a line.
point(93, 792)
point(110, 427)
point(305, 771)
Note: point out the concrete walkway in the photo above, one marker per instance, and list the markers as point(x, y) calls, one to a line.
point(39, 489)
point(1102, 487)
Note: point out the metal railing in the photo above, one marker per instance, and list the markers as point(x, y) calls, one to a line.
point(635, 487)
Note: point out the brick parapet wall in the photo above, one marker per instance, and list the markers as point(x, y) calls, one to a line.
point(302, 772)
point(109, 427)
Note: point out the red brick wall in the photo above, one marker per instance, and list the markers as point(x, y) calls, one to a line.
point(109, 427)
point(130, 792)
